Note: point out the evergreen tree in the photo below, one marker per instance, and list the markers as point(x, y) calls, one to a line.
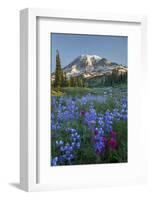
point(71, 82)
point(58, 72)
point(68, 83)
point(62, 79)
point(65, 79)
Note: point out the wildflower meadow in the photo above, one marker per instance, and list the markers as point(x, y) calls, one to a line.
point(89, 129)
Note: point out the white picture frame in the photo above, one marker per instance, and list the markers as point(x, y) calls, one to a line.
point(29, 149)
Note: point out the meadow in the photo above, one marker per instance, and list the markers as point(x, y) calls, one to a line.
point(89, 126)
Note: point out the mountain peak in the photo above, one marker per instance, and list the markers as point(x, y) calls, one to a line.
point(91, 65)
point(88, 56)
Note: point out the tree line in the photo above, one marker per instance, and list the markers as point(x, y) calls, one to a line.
point(108, 80)
point(61, 79)
point(115, 78)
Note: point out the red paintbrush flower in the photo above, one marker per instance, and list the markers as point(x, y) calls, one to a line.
point(112, 143)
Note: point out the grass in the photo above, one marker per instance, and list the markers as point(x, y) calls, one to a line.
point(77, 91)
point(57, 93)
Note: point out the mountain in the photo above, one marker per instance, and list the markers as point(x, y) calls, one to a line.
point(92, 67)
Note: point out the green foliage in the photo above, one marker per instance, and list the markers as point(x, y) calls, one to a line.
point(108, 80)
point(58, 72)
point(56, 93)
point(77, 81)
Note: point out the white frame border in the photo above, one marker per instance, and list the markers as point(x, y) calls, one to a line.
point(28, 82)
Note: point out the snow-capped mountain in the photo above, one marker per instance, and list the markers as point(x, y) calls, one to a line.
point(90, 66)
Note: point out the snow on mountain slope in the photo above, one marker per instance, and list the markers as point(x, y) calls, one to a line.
point(90, 66)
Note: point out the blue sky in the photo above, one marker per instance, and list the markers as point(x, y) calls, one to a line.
point(70, 46)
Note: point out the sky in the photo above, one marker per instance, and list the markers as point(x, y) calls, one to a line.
point(70, 46)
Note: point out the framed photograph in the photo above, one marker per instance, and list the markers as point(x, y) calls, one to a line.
point(81, 88)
